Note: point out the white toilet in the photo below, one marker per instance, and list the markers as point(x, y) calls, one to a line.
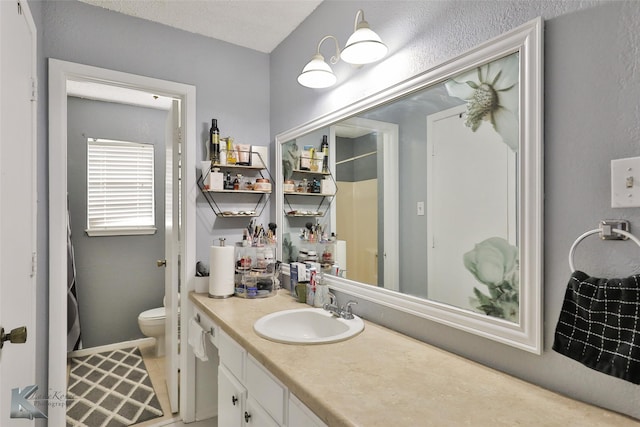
point(151, 323)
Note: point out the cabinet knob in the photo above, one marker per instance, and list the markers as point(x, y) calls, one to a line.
point(247, 417)
point(234, 400)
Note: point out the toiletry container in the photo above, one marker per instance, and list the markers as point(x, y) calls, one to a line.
point(289, 186)
point(258, 271)
point(216, 180)
point(327, 186)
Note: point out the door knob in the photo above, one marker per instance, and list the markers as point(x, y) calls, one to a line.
point(161, 263)
point(16, 336)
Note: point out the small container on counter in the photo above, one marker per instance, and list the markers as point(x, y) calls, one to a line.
point(257, 272)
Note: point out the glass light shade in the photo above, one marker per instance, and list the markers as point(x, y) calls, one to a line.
point(317, 74)
point(363, 47)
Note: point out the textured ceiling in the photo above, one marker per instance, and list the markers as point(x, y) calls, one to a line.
point(256, 24)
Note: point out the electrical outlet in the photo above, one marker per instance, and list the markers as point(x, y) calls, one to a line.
point(420, 208)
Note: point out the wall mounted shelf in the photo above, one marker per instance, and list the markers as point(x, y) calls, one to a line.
point(238, 203)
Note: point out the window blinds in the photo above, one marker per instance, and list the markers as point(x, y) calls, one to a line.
point(120, 196)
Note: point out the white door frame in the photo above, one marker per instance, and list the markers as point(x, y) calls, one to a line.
point(172, 251)
point(59, 73)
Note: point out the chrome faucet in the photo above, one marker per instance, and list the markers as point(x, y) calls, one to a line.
point(346, 310)
point(333, 308)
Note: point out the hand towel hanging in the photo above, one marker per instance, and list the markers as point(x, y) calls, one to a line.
point(197, 340)
point(599, 325)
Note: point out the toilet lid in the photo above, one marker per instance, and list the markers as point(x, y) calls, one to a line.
point(154, 313)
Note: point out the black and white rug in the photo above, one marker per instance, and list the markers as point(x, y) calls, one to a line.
point(110, 389)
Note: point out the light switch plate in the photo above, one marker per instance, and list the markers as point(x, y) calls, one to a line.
point(420, 209)
point(625, 182)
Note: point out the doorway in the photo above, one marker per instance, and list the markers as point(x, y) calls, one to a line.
point(374, 260)
point(60, 73)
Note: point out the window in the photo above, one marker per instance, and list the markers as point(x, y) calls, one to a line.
point(120, 198)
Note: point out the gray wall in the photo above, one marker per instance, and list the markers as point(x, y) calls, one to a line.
point(232, 85)
point(591, 116)
point(361, 169)
point(114, 274)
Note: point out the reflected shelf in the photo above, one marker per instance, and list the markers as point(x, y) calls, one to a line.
point(236, 191)
point(307, 214)
point(311, 172)
point(297, 193)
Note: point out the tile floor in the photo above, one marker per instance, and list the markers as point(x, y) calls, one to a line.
point(155, 367)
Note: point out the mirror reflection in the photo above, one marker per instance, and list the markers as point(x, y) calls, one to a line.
point(421, 194)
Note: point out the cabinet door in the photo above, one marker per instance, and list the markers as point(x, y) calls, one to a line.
point(255, 415)
point(266, 389)
point(232, 397)
point(300, 415)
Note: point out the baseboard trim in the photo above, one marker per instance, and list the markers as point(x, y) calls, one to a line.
point(107, 347)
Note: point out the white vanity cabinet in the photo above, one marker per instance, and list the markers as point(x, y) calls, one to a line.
point(249, 395)
point(232, 399)
point(300, 415)
point(256, 415)
point(270, 393)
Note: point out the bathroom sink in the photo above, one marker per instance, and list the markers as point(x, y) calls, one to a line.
point(307, 326)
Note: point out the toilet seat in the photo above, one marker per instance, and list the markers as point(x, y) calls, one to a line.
point(153, 314)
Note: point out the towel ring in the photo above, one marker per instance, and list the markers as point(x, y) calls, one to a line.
point(597, 230)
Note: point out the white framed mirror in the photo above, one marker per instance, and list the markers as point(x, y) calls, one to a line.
point(451, 208)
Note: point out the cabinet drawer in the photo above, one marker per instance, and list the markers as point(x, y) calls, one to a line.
point(231, 355)
point(207, 324)
point(266, 390)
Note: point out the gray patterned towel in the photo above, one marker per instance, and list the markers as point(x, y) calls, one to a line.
point(599, 325)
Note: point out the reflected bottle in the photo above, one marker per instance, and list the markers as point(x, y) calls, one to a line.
point(324, 147)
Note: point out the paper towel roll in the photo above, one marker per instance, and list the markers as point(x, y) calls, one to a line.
point(221, 271)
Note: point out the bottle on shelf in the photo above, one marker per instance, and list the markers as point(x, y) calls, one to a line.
point(324, 148)
point(228, 183)
point(214, 140)
point(231, 153)
point(237, 182)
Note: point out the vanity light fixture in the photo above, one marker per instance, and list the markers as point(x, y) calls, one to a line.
point(317, 73)
point(363, 47)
